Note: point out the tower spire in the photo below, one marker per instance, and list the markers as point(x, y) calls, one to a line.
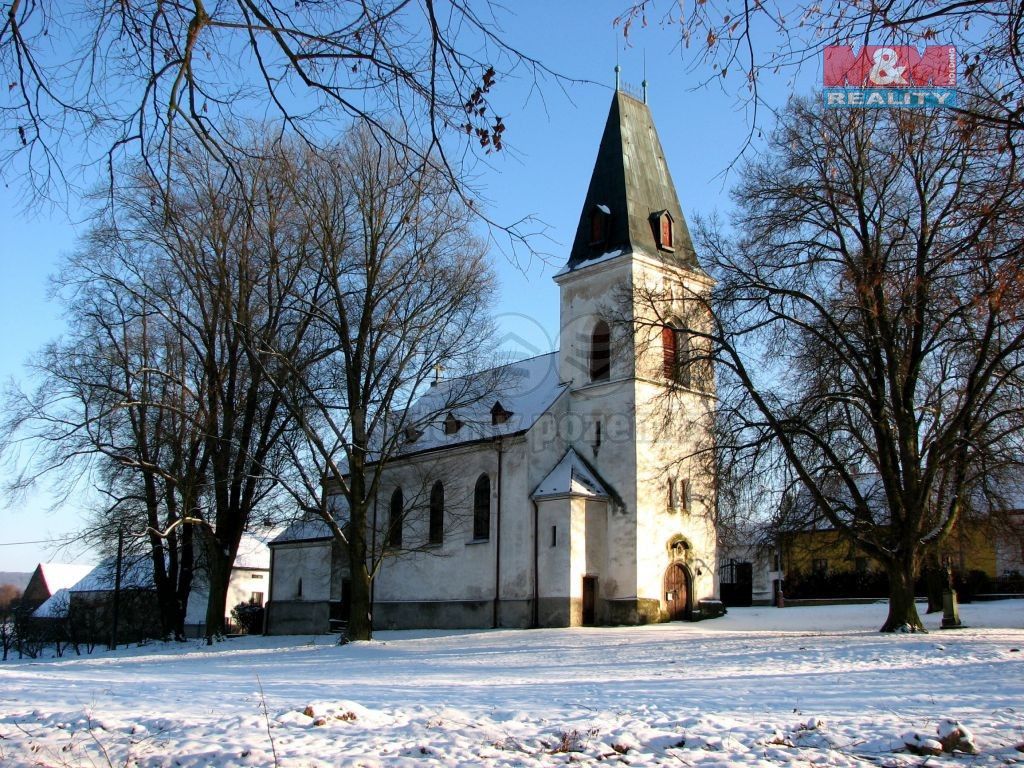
point(630, 193)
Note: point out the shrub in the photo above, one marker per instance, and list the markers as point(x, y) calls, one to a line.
point(248, 617)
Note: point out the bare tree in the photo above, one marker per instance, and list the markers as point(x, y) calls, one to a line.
point(402, 286)
point(114, 407)
point(157, 377)
point(736, 44)
point(868, 336)
point(86, 81)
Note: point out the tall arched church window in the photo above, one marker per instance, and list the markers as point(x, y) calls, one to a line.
point(482, 508)
point(435, 533)
point(600, 352)
point(394, 538)
point(675, 346)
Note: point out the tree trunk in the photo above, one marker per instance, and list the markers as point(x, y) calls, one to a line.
point(218, 567)
point(902, 610)
point(360, 619)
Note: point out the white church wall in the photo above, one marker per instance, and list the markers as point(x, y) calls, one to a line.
point(462, 569)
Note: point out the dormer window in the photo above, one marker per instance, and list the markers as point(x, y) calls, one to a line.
point(663, 230)
point(600, 222)
point(412, 434)
point(499, 415)
point(451, 424)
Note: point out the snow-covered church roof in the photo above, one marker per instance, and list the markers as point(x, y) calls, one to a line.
point(572, 476)
point(498, 401)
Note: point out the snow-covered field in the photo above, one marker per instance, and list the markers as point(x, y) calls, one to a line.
point(799, 686)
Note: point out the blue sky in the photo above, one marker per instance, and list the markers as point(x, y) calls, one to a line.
point(551, 139)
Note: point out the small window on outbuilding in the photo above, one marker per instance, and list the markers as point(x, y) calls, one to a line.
point(451, 424)
point(600, 224)
point(819, 565)
point(498, 414)
point(664, 230)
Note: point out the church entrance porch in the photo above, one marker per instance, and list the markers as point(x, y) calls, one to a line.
point(677, 592)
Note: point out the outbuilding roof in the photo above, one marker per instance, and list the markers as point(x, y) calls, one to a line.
point(58, 576)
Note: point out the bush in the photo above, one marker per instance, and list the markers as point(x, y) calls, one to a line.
point(248, 617)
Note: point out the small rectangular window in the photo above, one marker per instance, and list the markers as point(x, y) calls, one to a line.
point(819, 565)
point(257, 598)
point(554, 535)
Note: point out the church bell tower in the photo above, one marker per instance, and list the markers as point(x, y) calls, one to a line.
point(634, 306)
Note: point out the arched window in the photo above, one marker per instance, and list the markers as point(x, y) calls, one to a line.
point(435, 534)
point(675, 345)
point(482, 508)
point(394, 537)
point(600, 352)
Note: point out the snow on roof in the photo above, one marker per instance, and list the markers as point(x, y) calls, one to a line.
point(607, 256)
point(136, 573)
point(55, 606)
point(58, 576)
point(305, 529)
point(312, 527)
point(252, 553)
point(572, 476)
point(525, 389)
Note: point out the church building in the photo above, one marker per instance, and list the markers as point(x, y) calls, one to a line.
point(581, 491)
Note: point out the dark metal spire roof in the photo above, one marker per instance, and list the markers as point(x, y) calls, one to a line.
point(632, 184)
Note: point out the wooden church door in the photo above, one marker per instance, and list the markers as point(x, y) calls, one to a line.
point(589, 600)
point(677, 592)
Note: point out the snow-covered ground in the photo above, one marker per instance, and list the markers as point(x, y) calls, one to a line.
point(761, 686)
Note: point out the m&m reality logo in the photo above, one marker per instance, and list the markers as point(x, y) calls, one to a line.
point(890, 76)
